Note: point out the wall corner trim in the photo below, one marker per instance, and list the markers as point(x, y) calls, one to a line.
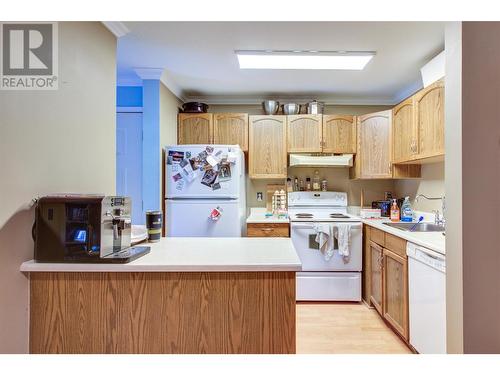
point(117, 28)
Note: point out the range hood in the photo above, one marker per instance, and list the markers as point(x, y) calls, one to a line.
point(318, 160)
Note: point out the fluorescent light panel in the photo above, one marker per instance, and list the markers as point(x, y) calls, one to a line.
point(303, 60)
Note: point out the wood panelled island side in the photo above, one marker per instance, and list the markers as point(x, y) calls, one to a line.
point(189, 295)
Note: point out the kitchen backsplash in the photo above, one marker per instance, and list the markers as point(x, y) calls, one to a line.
point(338, 180)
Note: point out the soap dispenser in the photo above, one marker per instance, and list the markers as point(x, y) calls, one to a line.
point(406, 211)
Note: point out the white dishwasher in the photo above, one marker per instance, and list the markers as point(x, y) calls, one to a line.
point(427, 299)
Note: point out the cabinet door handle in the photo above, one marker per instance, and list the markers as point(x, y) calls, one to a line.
point(267, 229)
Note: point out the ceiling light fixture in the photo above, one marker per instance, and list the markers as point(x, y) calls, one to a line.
point(337, 60)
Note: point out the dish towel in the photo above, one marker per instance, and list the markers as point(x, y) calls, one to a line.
point(343, 234)
point(324, 237)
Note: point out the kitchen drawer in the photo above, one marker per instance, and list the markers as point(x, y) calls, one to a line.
point(395, 244)
point(377, 236)
point(268, 230)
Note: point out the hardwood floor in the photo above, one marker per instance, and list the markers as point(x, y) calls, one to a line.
point(341, 328)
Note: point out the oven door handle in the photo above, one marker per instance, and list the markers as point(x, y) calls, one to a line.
point(302, 226)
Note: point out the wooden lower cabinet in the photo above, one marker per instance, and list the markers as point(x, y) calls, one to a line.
point(376, 285)
point(268, 230)
point(386, 279)
point(395, 292)
point(162, 312)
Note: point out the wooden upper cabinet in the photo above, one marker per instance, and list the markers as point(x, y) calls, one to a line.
point(231, 129)
point(395, 292)
point(374, 148)
point(404, 132)
point(304, 133)
point(339, 134)
point(267, 157)
point(194, 128)
point(429, 117)
point(376, 253)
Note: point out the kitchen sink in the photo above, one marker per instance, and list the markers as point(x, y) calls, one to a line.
point(420, 227)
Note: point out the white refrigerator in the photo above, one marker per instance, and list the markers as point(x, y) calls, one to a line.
point(205, 191)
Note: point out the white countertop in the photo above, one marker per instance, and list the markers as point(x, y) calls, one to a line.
point(431, 240)
point(197, 254)
point(258, 215)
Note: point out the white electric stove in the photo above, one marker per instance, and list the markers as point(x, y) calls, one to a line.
point(339, 278)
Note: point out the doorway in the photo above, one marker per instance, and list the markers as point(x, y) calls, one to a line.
point(129, 161)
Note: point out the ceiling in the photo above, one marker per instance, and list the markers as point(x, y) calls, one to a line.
point(199, 59)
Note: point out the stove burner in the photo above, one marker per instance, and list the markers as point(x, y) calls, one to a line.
point(339, 216)
point(304, 215)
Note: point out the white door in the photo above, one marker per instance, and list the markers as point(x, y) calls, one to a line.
point(129, 161)
point(180, 185)
point(191, 218)
point(303, 238)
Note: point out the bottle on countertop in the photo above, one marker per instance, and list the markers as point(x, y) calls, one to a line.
point(394, 210)
point(308, 184)
point(289, 187)
point(324, 185)
point(301, 185)
point(296, 184)
point(316, 181)
point(406, 210)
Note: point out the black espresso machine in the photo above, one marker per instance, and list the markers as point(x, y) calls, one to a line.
point(84, 229)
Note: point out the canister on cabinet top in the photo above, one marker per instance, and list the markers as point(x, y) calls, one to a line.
point(153, 223)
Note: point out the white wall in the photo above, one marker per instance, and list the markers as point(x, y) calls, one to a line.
point(453, 186)
point(53, 141)
point(431, 184)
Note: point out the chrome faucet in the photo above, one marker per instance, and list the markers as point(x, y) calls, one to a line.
point(439, 219)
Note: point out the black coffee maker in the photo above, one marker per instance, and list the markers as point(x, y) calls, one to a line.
point(84, 228)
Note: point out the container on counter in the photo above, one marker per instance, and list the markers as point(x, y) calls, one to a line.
point(308, 184)
point(394, 211)
point(316, 181)
point(324, 185)
point(153, 224)
point(301, 185)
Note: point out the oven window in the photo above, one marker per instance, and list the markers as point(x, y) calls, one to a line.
point(312, 242)
point(313, 245)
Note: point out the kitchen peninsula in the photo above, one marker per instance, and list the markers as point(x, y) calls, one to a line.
point(188, 295)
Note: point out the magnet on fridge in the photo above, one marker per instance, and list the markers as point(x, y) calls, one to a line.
point(209, 149)
point(177, 156)
point(180, 185)
point(212, 160)
point(202, 156)
point(209, 177)
point(186, 165)
point(216, 186)
point(224, 172)
point(188, 154)
point(216, 213)
point(169, 160)
point(176, 177)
